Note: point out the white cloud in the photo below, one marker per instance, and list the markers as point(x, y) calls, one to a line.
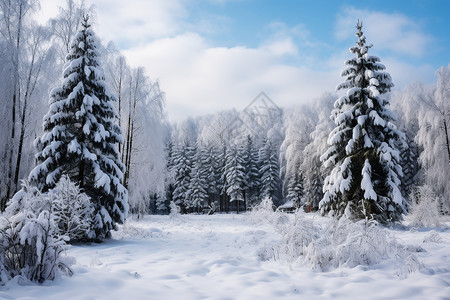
point(129, 22)
point(395, 32)
point(199, 78)
point(289, 65)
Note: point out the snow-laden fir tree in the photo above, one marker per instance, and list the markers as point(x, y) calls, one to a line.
point(211, 162)
point(198, 185)
point(295, 189)
point(82, 136)
point(222, 179)
point(169, 180)
point(363, 155)
point(251, 171)
point(235, 175)
point(183, 157)
point(269, 170)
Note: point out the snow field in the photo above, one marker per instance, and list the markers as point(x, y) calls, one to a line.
point(219, 257)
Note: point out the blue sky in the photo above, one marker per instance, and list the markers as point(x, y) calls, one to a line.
point(212, 55)
point(248, 22)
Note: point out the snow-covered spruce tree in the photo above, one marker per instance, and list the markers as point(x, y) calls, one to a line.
point(363, 155)
point(81, 136)
point(222, 179)
point(295, 189)
point(235, 176)
point(183, 166)
point(72, 210)
point(210, 160)
point(269, 169)
point(169, 178)
point(251, 171)
point(198, 185)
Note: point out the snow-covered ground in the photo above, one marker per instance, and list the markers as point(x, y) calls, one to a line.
point(216, 257)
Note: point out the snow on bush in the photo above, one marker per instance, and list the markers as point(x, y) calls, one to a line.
point(28, 199)
point(30, 248)
point(72, 210)
point(136, 230)
point(264, 213)
point(344, 243)
point(334, 243)
point(425, 208)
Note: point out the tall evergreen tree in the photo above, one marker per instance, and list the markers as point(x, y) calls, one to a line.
point(235, 176)
point(222, 180)
point(363, 155)
point(269, 169)
point(82, 136)
point(251, 172)
point(183, 166)
point(211, 163)
point(198, 185)
point(295, 189)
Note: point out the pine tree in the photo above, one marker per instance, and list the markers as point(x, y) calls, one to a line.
point(363, 153)
point(250, 163)
point(270, 173)
point(183, 167)
point(163, 204)
point(198, 184)
point(81, 136)
point(295, 189)
point(235, 177)
point(211, 163)
point(222, 179)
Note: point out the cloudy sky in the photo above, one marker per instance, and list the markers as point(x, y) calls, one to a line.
point(210, 55)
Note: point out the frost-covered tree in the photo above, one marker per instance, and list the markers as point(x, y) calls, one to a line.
point(295, 191)
point(269, 170)
point(25, 72)
point(82, 136)
point(251, 172)
point(72, 210)
point(197, 192)
point(66, 24)
point(222, 179)
point(235, 175)
point(406, 104)
point(311, 167)
point(434, 137)
point(363, 153)
point(210, 160)
point(183, 157)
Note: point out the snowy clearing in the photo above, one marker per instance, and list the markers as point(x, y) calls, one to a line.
point(216, 257)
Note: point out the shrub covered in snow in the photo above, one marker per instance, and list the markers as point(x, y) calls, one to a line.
point(425, 208)
point(30, 248)
point(344, 243)
point(336, 243)
point(28, 199)
point(71, 209)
